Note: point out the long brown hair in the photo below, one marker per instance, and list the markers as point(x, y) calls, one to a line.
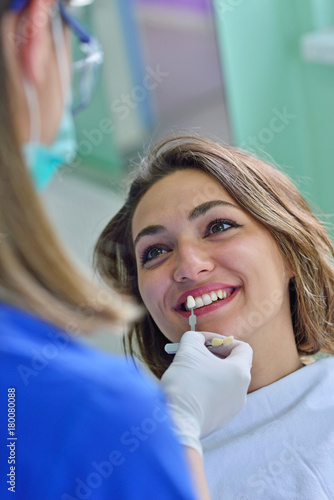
point(268, 196)
point(35, 272)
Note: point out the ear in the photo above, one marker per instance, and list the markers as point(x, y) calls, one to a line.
point(35, 39)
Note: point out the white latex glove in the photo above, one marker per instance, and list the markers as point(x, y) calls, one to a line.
point(206, 387)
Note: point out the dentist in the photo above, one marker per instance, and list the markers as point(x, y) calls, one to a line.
point(76, 423)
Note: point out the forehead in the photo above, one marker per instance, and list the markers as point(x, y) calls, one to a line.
point(175, 196)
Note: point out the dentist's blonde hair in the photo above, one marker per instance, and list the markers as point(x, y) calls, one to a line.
point(35, 272)
point(269, 197)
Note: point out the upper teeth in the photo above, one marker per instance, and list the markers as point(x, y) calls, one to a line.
point(206, 299)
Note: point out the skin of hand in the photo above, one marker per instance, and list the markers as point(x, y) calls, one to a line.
point(195, 462)
point(205, 389)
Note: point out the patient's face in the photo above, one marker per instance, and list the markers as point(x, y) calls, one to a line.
point(192, 238)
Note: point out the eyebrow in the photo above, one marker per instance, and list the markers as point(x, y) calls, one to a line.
point(194, 214)
point(204, 207)
point(149, 230)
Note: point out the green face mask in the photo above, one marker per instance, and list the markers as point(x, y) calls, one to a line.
point(43, 161)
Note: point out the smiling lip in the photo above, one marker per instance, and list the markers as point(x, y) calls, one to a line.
point(197, 292)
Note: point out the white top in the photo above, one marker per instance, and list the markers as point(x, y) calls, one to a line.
point(281, 445)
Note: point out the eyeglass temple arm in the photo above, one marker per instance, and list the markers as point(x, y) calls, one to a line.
point(80, 31)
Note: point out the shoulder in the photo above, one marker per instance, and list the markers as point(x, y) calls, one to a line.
point(36, 354)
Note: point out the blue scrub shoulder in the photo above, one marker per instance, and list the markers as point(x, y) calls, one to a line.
point(85, 424)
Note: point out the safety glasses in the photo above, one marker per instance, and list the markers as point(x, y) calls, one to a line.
point(88, 57)
point(87, 65)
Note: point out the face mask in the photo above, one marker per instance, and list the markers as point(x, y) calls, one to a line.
point(42, 160)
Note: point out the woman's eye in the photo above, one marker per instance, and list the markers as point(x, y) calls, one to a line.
point(152, 253)
point(219, 226)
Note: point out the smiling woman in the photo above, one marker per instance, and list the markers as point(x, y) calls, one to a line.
point(233, 232)
point(213, 246)
point(201, 214)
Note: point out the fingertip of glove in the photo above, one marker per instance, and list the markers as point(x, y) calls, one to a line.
point(192, 336)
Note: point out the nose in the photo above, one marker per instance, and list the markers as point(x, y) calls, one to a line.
point(192, 263)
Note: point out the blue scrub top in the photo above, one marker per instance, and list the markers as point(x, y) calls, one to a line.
point(79, 424)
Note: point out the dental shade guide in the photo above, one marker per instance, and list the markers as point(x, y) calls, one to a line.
point(172, 348)
point(192, 320)
point(215, 342)
point(191, 304)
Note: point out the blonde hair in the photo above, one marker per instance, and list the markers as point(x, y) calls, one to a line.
point(269, 197)
point(35, 273)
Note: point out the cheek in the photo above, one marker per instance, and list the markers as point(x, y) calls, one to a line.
point(266, 270)
point(236, 257)
point(256, 262)
point(150, 289)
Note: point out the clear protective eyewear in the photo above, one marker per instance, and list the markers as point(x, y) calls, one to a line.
point(87, 66)
point(88, 63)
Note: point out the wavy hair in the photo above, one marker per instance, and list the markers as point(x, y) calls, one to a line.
point(264, 193)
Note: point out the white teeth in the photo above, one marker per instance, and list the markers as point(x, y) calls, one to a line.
point(191, 302)
point(206, 299)
point(199, 302)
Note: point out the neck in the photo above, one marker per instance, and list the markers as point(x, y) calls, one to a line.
point(275, 359)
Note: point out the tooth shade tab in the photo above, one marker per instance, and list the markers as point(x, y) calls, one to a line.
point(191, 302)
point(218, 341)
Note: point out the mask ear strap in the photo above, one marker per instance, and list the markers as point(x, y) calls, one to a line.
point(60, 47)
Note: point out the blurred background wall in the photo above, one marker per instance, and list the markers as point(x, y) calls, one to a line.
point(278, 64)
point(258, 74)
point(162, 72)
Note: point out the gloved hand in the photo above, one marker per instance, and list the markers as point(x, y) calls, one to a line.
point(206, 387)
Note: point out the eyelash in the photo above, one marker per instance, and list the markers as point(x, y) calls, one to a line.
point(144, 255)
point(220, 221)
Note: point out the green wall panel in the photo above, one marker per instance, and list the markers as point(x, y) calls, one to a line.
point(98, 150)
point(279, 104)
